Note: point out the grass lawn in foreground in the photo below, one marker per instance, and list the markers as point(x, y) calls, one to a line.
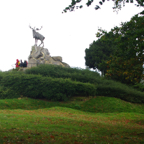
point(79, 121)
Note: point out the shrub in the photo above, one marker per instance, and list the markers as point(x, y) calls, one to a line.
point(139, 86)
point(118, 90)
point(7, 93)
point(104, 87)
point(37, 86)
point(74, 74)
point(58, 83)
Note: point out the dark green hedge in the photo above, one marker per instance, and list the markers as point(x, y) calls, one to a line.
point(139, 87)
point(8, 93)
point(121, 91)
point(82, 75)
point(37, 86)
point(104, 87)
point(58, 83)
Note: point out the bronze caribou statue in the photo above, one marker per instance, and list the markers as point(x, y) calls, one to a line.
point(37, 36)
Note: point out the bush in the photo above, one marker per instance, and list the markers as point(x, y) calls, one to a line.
point(37, 86)
point(82, 75)
point(58, 83)
point(104, 87)
point(139, 87)
point(7, 93)
point(118, 90)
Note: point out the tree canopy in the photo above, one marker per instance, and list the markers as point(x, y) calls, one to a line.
point(120, 52)
point(99, 52)
point(117, 4)
point(127, 64)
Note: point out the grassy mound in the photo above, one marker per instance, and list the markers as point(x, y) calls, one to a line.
point(58, 83)
point(31, 121)
point(75, 74)
point(104, 87)
point(95, 105)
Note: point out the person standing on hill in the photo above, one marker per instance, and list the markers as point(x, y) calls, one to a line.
point(17, 63)
point(25, 64)
point(21, 63)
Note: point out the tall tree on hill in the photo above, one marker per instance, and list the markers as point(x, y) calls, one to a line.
point(99, 51)
point(119, 53)
point(127, 63)
point(117, 4)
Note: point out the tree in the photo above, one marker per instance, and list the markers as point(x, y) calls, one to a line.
point(125, 60)
point(125, 71)
point(127, 63)
point(117, 4)
point(99, 51)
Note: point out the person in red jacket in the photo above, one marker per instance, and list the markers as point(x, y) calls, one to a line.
point(17, 63)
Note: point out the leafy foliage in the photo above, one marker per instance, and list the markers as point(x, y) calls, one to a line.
point(139, 86)
point(59, 84)
point(127, 63)
point(6, 93)
point(125, 71)
point(36, 86)
point(104, 87)
point(117, 4)
point(99, 51)
point(75, 74)
point(110, 89)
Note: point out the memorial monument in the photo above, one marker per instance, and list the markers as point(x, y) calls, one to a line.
point(41, 55)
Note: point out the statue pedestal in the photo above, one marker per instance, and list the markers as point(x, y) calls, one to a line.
point(42, 56)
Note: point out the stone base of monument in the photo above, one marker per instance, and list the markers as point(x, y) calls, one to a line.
point(40, 55)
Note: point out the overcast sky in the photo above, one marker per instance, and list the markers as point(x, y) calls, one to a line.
point(66, 35)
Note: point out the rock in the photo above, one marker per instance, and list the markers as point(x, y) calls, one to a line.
point(65, 64)
point(57, 58)
point(32, 62)
point(40, 55)
point(23, 69)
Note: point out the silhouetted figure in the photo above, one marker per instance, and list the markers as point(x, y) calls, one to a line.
point(25, 64)
point(21, 63)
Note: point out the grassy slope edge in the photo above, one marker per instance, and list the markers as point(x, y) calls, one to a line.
point(80, 120)
point(30, 121)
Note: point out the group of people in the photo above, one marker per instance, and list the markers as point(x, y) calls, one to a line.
point(21, 64)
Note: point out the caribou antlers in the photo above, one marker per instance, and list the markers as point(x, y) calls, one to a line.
point(30, 27)
point(36, 28)
point(39, 29)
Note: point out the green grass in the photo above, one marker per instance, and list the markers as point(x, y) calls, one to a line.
point(98, 104)
point(31, 121)
point(80, 120)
